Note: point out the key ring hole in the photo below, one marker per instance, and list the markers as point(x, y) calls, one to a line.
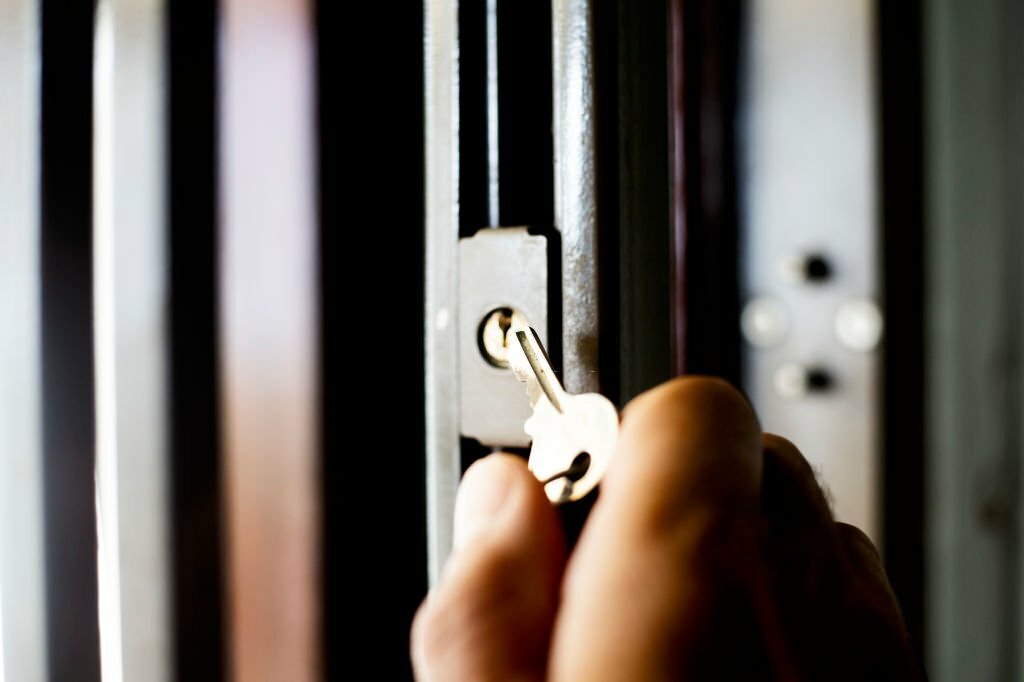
point(577, 470)
point(579, 467)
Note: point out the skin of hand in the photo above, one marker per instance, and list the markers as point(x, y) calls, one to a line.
point(711, 553)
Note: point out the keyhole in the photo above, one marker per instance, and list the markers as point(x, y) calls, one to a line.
point(492, 336)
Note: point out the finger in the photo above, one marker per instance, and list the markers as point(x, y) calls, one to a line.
point(690, 444)
point(823, 583)
point(491, 614)
point(867, 581)
point(802, 542)
point(873, 613)
point(861, 554)
point(801, 574)
point(668, 526)
point(792, 499)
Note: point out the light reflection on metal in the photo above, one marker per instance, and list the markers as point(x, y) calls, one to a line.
point(441, 40)
point(576, 189)
point(131, 341)
point(22, 571)
point(268, 346)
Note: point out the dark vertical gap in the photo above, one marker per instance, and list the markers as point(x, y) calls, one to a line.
point(68, 406)
point(196, 486)
point(526, 144)
point(472, 117)
point(711, 50)
point(644, 329)
point(899, 71)
point(605, 18)
point(371, 201)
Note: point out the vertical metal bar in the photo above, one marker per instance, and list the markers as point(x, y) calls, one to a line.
point(973, 111)
point(441, 46)
point(576, 189)
point(22, 574)
point(678, 19)
point(130, 293)
point(268, 352)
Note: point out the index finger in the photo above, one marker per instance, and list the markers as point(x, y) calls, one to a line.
point(683, 486)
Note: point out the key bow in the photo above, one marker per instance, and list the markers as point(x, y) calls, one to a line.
point(574, 436)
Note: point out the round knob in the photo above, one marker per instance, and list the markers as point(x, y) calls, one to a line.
point(859, 325)
point(764, 322)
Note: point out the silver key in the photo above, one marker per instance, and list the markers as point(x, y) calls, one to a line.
point(573, 435)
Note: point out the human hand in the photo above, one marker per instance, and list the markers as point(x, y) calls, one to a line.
point(711, 553)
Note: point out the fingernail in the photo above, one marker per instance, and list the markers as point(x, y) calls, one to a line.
point(482, 493)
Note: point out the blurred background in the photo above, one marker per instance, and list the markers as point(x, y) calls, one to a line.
point(239, 372)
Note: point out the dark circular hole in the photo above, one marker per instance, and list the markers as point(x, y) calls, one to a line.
point(818, 379)
point(817, 268)
point(578, 468)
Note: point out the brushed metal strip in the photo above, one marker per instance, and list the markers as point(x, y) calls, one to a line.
point(576, 189)
point(23, 622)
point(130, 266)
point(441, 47)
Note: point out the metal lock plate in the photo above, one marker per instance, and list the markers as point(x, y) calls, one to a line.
point(498, 268)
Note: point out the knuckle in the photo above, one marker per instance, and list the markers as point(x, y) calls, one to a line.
point(784, 447)
point(852, 536)
point(702, 395)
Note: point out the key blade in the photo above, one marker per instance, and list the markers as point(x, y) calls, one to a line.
point(540, 381)
point(517, 359)
point(540, 366)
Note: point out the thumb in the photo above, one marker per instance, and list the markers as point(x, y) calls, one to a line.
point(491, 614)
